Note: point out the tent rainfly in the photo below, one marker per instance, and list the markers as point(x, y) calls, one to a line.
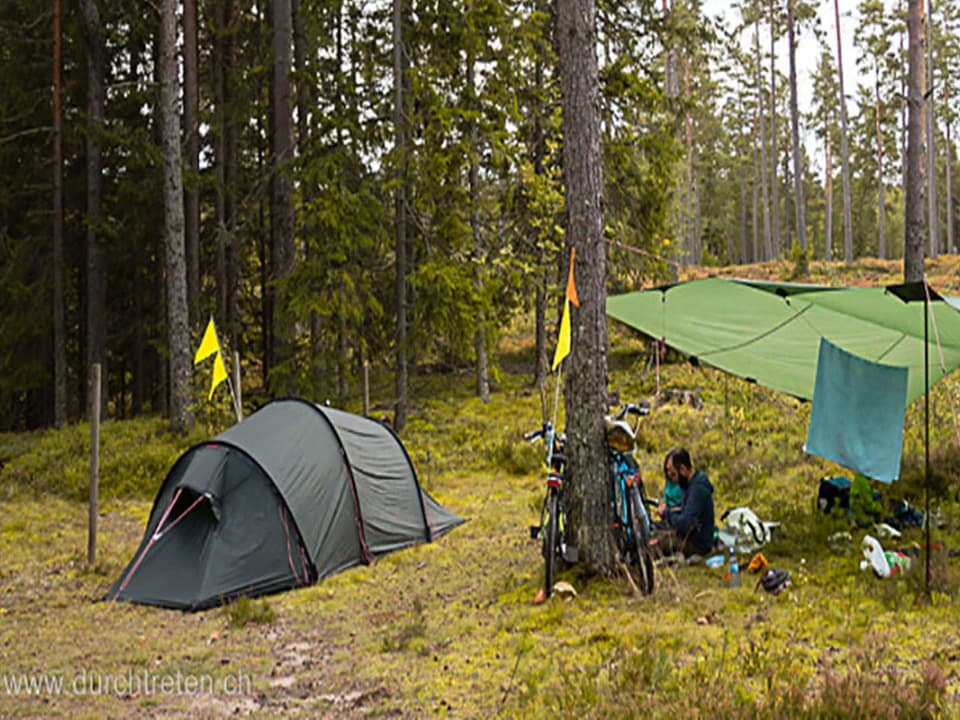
point(294, 493)
point(770, 333)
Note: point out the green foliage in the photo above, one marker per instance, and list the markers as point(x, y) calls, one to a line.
point(135, 456)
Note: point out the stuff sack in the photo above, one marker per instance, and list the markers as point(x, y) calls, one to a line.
point(834, 492)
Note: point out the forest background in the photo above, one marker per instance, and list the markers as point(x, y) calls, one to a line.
point(344, 183)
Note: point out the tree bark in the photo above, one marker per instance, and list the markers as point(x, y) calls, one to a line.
point(181, 371)
point(96, 294)
point(913, 242)
point(283, 254)
point(774, 190)
point(59, 322)
point(768, 249)
point(540, 307)
point(828, 197)
point(948, 168)
point(756, 182)
point(932, 226)
point(881, 193)
point(585, 386)
point(400, 210)
point(191, 131)
point(480, 335)
point(795, 128)
point(844, 151)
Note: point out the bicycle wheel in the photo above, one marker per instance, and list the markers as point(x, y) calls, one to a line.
point(643, 556)
point(550, 544)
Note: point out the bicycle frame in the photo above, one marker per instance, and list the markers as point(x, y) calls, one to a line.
point(551, 530)
point(631, 529)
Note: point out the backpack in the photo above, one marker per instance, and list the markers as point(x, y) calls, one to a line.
point(743, 529)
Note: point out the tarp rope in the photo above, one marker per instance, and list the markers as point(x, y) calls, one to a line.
point(943, 364)
point(153, 538)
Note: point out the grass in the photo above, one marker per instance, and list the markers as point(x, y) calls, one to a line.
point(449, 629)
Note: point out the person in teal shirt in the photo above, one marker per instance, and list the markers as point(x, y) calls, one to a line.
point(690, 528)
point(672, 492)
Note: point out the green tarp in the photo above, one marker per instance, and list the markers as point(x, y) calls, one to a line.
point(294, 493)
point(770, 332)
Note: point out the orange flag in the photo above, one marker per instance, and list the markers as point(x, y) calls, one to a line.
point(571, 285)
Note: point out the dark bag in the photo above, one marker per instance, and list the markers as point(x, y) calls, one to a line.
point(834, 492)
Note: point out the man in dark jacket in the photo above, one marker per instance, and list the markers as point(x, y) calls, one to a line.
point(689, 528)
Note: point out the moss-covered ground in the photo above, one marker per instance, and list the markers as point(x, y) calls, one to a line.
point(450, 629)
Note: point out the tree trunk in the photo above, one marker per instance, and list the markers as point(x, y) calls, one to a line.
point(191, 130)
point(913, 241)
point(949, 189)
point(881, 194)
point(932, 229)
point(59, 323)
point(691, 235)
point(828, 197)
point(795, 128)
point(768, 249)
point(302, 49)
point(540, 308)
point(480, 335)
point(757, 179)
point(844, 151)
point(585, 387)
point(177, 318)
point(400, 209)
point(743, 215)
point(774, 200)
point(281, 198)
point(96, 294)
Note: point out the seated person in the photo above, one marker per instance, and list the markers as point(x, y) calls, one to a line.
point(690, 528)
point(672, 492)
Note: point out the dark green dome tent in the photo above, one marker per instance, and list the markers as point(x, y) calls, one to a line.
point(294, 493)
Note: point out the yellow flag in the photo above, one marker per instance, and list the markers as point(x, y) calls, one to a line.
point(208, 346)
point(563, 342)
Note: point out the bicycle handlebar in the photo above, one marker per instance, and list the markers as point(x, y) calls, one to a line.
point(638, 409)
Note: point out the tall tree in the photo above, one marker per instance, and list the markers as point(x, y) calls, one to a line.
point(178, 332)
point(473, 179)
point(767, 246)
point(400, 130)
point(931, 124)
point(59, 323)
point(282, 245)
point(913, 243)
point(795, 131)
point(96, 100)
point(774, 201)
point(825, 100)
point(585, 387)
point(877, 62)
point(844, 148)
point(191, 131)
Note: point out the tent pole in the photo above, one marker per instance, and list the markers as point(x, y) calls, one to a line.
point(926, 426)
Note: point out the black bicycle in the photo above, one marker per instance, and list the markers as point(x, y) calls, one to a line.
point(551, 530)
point(631, 524)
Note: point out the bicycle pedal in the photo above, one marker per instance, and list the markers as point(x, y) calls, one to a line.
point(571, 554)
point(534, 532)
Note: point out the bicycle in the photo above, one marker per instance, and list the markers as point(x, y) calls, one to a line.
point(631, 526)
point(551, 530)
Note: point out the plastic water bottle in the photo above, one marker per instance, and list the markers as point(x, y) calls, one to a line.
point(734, 570)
